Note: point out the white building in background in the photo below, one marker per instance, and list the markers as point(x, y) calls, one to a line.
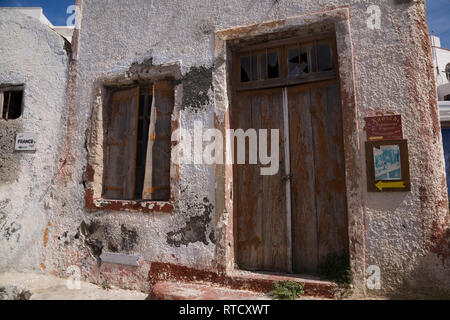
point(441, 60)
point(37, 13)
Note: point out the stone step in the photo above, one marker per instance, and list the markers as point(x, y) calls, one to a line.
point(168, 290)
point(257, 282)
point(264, 282)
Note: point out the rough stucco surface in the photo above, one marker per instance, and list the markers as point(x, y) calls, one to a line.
point(34, 55)
point(405, 234)
point(33, 286)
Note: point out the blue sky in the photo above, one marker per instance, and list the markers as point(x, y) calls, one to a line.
point(55, 10)
point(439, 20)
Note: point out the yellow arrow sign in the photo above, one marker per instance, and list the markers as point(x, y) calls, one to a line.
point(390, 185)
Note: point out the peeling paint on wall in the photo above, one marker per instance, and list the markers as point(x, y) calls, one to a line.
point(92, 237)
point(99, 235)
point(129, 238)
point(136, 67)
point(46, 234)
point(195, 229)
point(35, 56)
point(9, 161)
point(10, 230)
point(196, 84)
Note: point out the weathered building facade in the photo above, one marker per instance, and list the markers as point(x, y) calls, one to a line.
point(33, 83)
point(312, 69)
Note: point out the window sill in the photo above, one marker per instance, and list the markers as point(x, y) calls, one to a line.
point(127, 205)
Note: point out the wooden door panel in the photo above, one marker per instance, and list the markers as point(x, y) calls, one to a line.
point(318, 199)
point(248, 196)
point(319, 210)
point(304, 218)
point(274, 191)
point(329, 172)
point(260, 212)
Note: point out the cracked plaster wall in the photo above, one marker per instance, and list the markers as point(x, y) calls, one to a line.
point(31, 54)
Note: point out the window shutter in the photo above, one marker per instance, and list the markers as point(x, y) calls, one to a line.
point(121, 145)
point(157, 171)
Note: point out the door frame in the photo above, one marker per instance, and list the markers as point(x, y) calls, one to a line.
point(339, 20)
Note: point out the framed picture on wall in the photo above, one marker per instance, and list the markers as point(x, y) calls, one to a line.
point(387, 166)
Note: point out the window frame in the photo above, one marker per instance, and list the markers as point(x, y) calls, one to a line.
point(9, 88)
point(94, 174)
point(283, 46)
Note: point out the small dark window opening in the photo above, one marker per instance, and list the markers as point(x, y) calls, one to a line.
point(298, 64)
point(304, 66)
point(273, 66)
point(254, 68)
point(11, 102)
point(245, 69)
point(324, 57)
point(447, 97)
point(447, 71)
point(293, 62)
point(313, 59)
point(262, 66)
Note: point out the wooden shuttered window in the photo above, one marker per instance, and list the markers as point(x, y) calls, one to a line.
point(157, 171)
point(121, 145)
point(137, 143)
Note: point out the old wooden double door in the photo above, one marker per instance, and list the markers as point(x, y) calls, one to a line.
point(291, 221)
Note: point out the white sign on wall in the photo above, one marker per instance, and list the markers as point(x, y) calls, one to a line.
point(26, 142)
